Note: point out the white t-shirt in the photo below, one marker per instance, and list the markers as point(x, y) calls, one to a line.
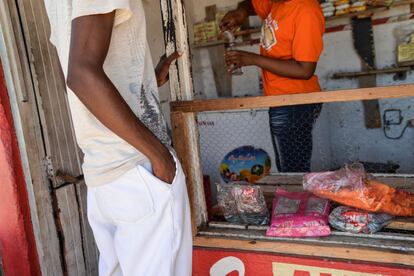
point(129, 66)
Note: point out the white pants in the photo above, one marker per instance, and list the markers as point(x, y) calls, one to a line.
point(142, 225)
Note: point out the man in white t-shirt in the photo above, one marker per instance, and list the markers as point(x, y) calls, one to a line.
point(137, 199)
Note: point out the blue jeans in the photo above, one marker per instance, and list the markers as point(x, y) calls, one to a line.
point(291, 129)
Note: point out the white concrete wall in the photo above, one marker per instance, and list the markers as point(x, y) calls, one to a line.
point(350, 140)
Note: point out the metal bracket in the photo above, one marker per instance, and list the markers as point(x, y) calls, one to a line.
point(63, 179)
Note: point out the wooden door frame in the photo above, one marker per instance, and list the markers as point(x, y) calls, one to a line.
point(29, 134)
point(181, 89)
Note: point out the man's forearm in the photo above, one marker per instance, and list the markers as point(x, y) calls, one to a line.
point(90, 41)
point(102, 99)
point(285, 68)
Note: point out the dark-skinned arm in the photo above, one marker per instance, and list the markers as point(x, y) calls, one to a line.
point(91, 36)
point(233, 19)
point(163, 67)
point(285, 68)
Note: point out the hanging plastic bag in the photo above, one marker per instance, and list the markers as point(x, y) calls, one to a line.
point(352, 220)
point(350, 186)
point(299, 214)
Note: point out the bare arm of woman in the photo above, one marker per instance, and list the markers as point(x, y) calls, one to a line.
point(233, 19)
point(285, 68)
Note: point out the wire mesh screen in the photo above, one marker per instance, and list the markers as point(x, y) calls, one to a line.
point(311, 138)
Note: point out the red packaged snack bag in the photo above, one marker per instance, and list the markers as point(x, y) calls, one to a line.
point(351, 187)
point(352, 220)
point(299, 214)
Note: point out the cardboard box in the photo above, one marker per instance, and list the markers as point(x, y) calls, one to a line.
point(406, 52)
point(205, 32)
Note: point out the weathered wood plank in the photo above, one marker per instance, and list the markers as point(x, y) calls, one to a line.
point(285, 179)
point(390, 70)
point(176, 39)
point(378, 235)
point(406, 224)
point(292, 180)
point(381, 242)
point(50, 88)
point(185, 143)
point(308, 249)
point(29, 133)
point(373, 93)
point(90, 250)
point(70, 223)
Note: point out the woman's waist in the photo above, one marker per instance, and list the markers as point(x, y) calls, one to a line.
point(276, 85)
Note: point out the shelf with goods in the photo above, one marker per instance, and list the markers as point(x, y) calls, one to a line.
point(391, 70)
point(237, 34)
point(368, 12)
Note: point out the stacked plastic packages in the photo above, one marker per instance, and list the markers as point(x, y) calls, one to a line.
point(356, 221)
point(242, 203)
point(342, 7)
point(299, 214)
point(328, 8)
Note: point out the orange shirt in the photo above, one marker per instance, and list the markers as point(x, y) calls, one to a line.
point(292, 29)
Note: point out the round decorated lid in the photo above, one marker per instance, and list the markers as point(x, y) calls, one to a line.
point(245, 163)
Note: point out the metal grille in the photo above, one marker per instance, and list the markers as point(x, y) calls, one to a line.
point(339, 136)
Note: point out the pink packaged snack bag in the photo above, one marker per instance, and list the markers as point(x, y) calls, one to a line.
point(299, 214)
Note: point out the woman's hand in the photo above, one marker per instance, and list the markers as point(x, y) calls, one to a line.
point(163, 67)
point(232, 20)
point(237, 59)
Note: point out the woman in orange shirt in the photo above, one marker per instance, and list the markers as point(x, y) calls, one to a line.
point(291, 43)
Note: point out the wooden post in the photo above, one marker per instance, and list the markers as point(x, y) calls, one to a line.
point(176, 39)
point(186, 144)
point(184, 126)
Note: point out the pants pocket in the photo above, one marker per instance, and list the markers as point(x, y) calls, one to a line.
point(127, 199)
point(147, 174)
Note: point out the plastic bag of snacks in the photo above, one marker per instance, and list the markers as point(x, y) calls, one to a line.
point(350, 186)
point(242, 203)
point(353, 220)
point(251, 204)
point(227, 203)
point(299, 214)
